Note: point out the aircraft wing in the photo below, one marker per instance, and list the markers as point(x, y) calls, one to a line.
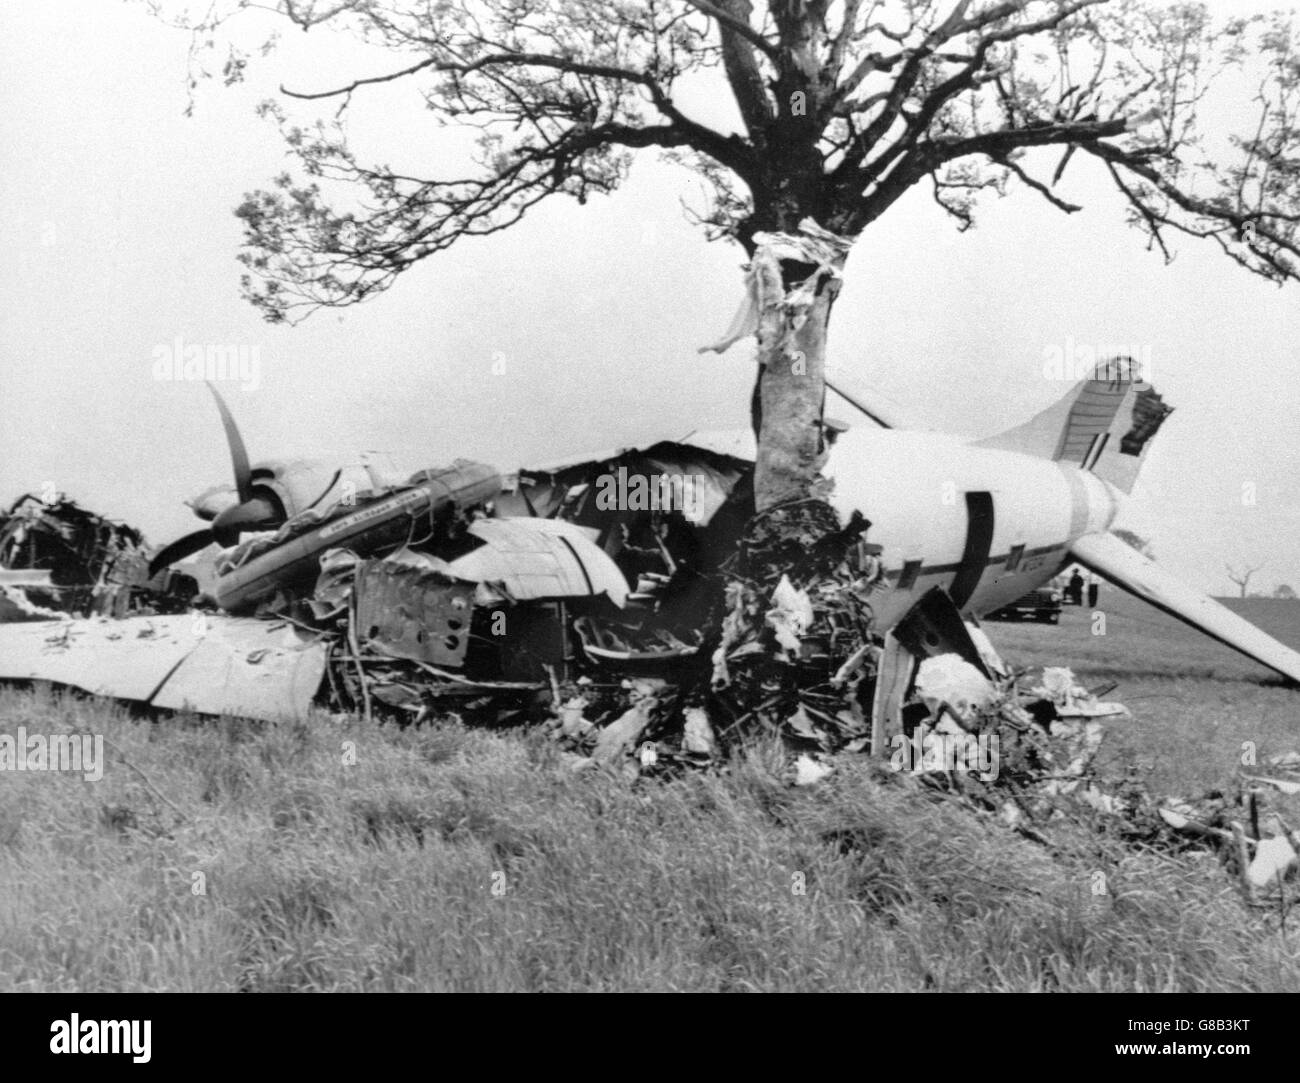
point(868, 400)
point(1124, 566)
point(228, 665)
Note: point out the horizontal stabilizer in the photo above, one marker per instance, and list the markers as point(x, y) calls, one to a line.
point(1124, 566)
point(868, 401)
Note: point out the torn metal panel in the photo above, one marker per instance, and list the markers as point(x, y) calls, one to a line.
point(220, 665)
point(539, 558)
point(96, 565)
point(764, 286)
point(895, 673)
point(128, 659)
point(637, 478)
point(933, 626)
point(603, 643)
point(412, 612)
point(1149, 413)
point(247, 667)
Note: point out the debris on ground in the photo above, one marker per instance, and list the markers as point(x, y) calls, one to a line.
point(1026, 752)
point(649, 637)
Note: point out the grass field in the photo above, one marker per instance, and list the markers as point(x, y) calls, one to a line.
point(1194, 701)
point(223, 855)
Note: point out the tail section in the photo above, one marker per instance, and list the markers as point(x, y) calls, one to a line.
point(1105, 425)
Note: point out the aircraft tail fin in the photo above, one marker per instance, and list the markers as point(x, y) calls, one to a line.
point(1104, 425)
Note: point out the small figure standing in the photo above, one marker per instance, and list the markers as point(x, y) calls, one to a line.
point(1094, 586)
point(1074, 588)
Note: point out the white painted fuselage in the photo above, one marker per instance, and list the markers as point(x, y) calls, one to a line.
point(986, 525)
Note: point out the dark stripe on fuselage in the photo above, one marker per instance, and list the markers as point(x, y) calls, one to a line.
point(979, 541)
point(943, 569)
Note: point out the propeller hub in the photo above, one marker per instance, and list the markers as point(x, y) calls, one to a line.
point(258, 513)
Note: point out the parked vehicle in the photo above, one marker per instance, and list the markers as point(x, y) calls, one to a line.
point(1043, 604)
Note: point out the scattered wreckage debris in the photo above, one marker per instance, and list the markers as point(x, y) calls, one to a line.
point(413, 624)
point(58, 558)
point(1026, 754)
point(632, 599)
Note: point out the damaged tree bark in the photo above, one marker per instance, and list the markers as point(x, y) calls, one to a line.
point(792, 283)
point(794, 546)
point(792, 391)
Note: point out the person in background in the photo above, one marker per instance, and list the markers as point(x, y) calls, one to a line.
point(1094, 586)
point(1074, 588)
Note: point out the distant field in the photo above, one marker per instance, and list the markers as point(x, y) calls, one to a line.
point(1194, 700)
point(223, 855)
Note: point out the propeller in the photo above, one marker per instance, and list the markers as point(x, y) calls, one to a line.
point(256, 510)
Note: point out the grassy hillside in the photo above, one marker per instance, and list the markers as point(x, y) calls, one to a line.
point(379, 874)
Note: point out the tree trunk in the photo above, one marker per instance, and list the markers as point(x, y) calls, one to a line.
point(791, 394)
point(794, 280)
point(794, 591)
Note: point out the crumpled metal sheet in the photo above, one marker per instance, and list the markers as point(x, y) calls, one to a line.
point(539, 558)
point(96, 564)
point(409, 611)
point(219, 665)
point(763, 284)
point(727, 454)
point(247, 667)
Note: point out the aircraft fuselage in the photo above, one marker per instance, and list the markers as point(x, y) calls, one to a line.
point(986, 525)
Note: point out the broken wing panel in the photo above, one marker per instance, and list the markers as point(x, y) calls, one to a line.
point(240, 666)
point(127, 659)
point(247, 667)
point(1126, 567)
point(539, 558)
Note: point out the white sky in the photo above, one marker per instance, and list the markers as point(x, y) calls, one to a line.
point(118, 237)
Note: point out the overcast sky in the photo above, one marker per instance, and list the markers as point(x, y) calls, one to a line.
point(576, 329)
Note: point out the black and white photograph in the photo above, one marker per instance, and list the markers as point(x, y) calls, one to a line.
point(641, 496)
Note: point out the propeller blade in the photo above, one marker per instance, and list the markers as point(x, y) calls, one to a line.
point(238, 453)
point(179, 550)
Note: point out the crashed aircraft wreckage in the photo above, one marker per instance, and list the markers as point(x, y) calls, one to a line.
point(58, 558)
point(454, 585)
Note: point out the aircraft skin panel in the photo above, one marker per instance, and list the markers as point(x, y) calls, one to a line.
point(913, 486)
point(128, 659)
point(540, 558)
point(226, 665)
point(1124, 566)
point(247, 667)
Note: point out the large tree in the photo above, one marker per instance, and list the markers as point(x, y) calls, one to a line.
point(842, 106)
